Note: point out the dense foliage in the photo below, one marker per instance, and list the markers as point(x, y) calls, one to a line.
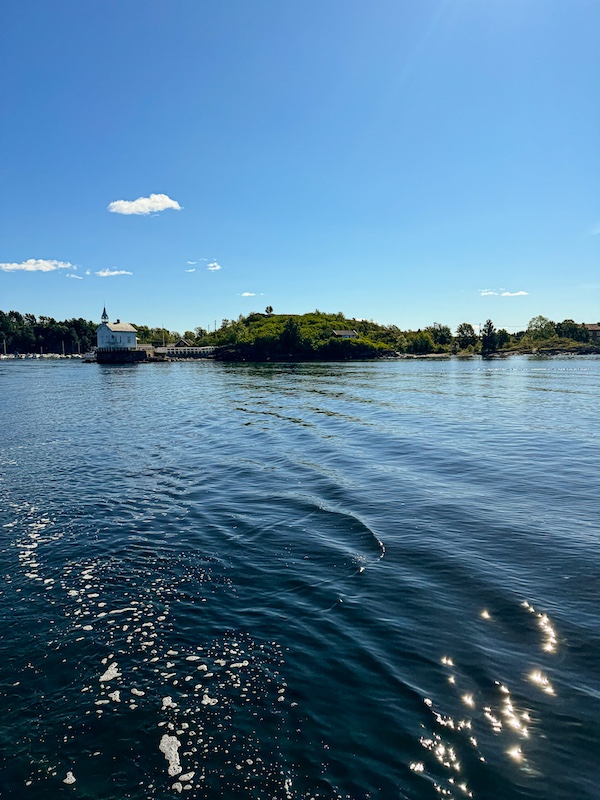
point(263, 336)
point(24, 333)
point(307, 336)
point(159, 336)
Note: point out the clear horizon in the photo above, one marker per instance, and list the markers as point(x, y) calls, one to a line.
point(404, 163)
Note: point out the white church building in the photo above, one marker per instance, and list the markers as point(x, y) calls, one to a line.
point(115, 335)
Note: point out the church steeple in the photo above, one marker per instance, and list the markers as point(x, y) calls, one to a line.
point(104, 316)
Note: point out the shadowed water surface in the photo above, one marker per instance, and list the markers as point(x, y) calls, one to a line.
point(366, 580)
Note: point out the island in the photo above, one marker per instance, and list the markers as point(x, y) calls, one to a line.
point(267, 336)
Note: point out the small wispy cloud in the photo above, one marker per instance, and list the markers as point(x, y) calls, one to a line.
point(501, 293)
point(36, 265)
point(109, 273)
point(144, 205)
point(248, 294)
point(72, 275)
point(88, 272)
point(192, 262)
point(214, 267)
point(191, 270)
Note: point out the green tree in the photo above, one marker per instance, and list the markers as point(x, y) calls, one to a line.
point(568, 329)
point(269, 310)
point(488, 338)
point(466, 336)
point(441, 334)
point(421, 343)
point(291, 337)
point(541, 328)
point(502, 338)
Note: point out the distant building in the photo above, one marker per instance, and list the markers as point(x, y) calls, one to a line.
point(115, 335)
point(345, 334)
point(181, 351)
point(183, 343)
point(594, 331)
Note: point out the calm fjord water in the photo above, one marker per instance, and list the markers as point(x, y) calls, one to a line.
point(365, 580)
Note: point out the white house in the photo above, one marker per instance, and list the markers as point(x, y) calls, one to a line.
point(115, 335)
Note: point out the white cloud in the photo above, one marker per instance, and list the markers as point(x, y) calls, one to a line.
point(36, 265)
point(72, 275)
point(248, 294)
point(191, 270)
point(144, 205)
point(213, 266)
point(192, 262)
point(501, 293)
point(108, 273)
point(88, 272)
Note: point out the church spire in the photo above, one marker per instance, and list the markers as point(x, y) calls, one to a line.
point(104, 316)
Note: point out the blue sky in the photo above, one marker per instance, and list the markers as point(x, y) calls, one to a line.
point(407, 162)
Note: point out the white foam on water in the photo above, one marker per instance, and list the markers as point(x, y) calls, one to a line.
point(111, 673)
point(201, 726)
point(70, 778)
point(209, 701)
point(169, 746)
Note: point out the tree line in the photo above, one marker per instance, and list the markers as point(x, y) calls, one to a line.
point(541, 333)
point(267, 335)
point(26, 333)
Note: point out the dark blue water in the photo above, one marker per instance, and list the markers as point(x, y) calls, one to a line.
point(300, 581)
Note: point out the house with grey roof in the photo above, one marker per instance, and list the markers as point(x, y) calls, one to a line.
point(345, 334)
